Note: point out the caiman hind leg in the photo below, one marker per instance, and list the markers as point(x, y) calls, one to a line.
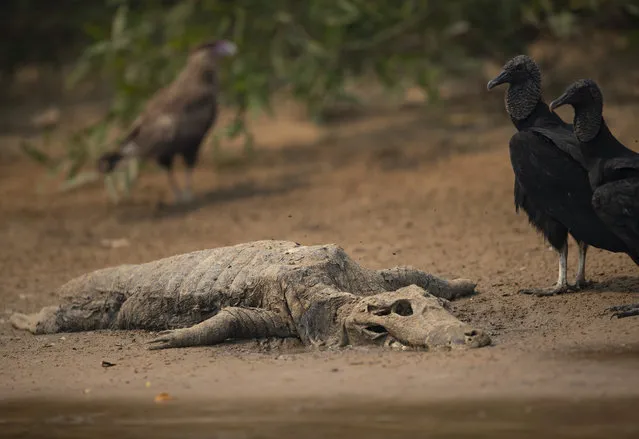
point(83, 313)
point(231, 322)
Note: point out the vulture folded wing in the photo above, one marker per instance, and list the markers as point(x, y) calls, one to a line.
point(546, 173)
point(564, 139)
point(618, 204)
point(620, 168)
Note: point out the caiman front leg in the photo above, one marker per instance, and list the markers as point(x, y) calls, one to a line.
point(400, 277)
point(231, 322)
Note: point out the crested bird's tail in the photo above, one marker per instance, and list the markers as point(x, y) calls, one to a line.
point(108, 161)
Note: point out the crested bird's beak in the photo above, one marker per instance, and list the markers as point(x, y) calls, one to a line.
point(500, 79)
point(560, 101)
point(226, 48)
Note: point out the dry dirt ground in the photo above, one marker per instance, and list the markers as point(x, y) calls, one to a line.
point(427, 187)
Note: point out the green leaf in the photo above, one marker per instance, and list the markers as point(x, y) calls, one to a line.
point(80, 180)
point(240, 22)
point(119, 23)
point(234, 128)
point(94, 31)
point(35, 154)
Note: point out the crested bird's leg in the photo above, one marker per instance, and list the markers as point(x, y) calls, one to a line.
point(580, 279)
point(232, 322)
point(175, 188)
point(562, 285)
point(621, 311)
point(190, 155)
point(187, 193)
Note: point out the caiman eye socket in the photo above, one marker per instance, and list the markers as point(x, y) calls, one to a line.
point(382, 312)
point(402, 308)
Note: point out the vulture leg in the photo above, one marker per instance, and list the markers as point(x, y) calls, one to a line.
point(562, 285)
point(580, 279)
point(621, 311)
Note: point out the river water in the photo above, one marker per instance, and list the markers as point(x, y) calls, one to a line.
point(120, 419)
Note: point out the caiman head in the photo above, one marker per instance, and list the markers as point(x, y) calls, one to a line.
point(409, 318)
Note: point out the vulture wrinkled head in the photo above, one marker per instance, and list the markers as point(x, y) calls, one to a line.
point(518, 70)
point(584, 92)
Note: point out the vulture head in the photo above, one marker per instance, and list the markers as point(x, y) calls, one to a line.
point(584, 92)
point(519, 70)
point(524, 77)
point(587, 100)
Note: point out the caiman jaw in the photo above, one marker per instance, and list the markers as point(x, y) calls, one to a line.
point(375, 332)
point(394, 344)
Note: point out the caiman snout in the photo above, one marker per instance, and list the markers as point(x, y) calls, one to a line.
point(476, 338)
point(409, 317)
point(456, 336)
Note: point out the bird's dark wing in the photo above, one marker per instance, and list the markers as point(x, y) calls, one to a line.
point(559, 186)
point(619, 168)
point(617, 203)
point(198, 115)
point(150, 133)
point(157, 125)
point(172, 119)
point(563, 138)
point(554, 232)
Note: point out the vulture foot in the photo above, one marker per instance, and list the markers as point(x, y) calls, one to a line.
point(582, 284)
point(552, 291)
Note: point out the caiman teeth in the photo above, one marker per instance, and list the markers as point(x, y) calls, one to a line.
point(394, 344)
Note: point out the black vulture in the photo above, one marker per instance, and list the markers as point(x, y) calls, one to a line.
point(176, 118)
point(551, 184)
point(613, 169)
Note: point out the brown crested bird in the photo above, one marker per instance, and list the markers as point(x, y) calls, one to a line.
point(176, 118)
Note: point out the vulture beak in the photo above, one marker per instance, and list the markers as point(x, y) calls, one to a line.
point(560, 101)
point(502, 78)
